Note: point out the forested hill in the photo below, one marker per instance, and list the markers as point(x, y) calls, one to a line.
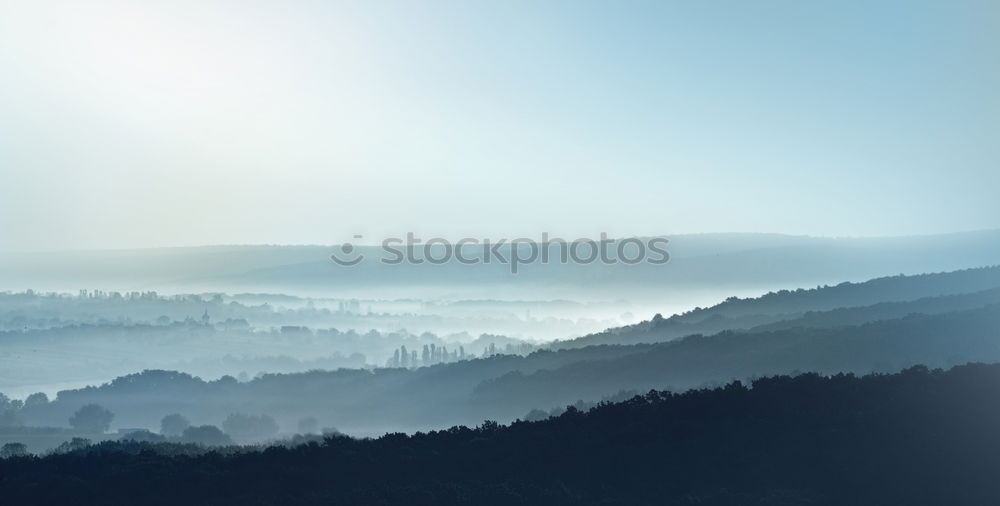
point(745, 313)
point(354, 400)
point(887, 346)
point(506, 387)
point(886, 311)
point(918, 438)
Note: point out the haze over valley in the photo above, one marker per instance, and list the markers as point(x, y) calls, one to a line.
point(480, 252)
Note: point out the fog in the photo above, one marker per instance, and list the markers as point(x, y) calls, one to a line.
point(380, 348)
point(569, 252)
point(83, 318)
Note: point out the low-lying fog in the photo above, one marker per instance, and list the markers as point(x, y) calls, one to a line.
point(55, 341)
point(83, 318)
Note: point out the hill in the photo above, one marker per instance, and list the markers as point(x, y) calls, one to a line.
point(918, 437)
point(715, 263)
point(891, 297)
point(505, 387)
point(935, 340)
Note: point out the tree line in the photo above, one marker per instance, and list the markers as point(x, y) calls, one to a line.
point(917, 437)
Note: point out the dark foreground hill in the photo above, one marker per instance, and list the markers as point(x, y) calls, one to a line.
point(917, 437)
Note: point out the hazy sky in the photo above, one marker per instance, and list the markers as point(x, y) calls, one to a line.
point(133, 124)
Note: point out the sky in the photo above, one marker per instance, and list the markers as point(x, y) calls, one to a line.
point(131, 124)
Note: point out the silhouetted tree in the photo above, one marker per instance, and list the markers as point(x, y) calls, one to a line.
point(92, 418)
point(10, 450)
point(36, 399)
point(75, 444)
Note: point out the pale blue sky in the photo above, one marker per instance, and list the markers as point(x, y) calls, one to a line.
point(134, 124)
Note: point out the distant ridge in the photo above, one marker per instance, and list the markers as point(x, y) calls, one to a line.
point(744, 313)
point(736, 262)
